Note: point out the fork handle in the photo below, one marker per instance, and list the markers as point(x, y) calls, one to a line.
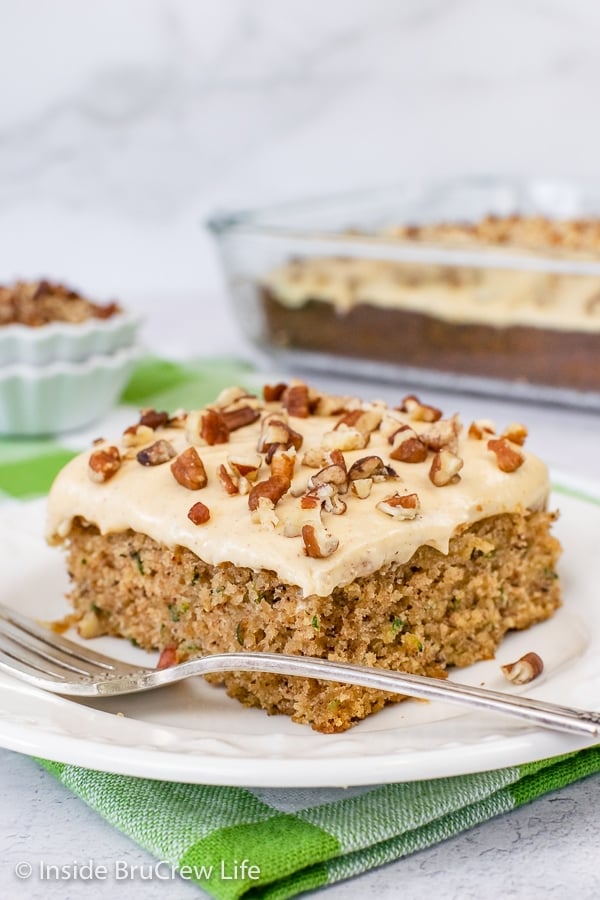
point(547, 715)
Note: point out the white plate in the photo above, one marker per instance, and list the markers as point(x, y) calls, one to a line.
point(193, 732)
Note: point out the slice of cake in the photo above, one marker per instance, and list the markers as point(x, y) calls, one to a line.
point(309, 524)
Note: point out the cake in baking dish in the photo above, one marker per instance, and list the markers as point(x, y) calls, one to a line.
point(305, 523)
point(525, 323)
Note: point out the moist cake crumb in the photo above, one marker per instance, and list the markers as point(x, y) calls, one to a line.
point(329, 533)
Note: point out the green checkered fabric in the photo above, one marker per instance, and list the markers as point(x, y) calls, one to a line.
point(273, 843)
point(294, 841)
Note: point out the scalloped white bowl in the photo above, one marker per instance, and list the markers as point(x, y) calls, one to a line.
point(61, 396)
point(66, 341)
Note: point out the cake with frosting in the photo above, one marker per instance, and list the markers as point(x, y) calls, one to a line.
point(306, 523)
point(524, 322)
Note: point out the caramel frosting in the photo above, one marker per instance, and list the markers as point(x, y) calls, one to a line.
point(501, 296)
point(376, 513)
point(498, 297)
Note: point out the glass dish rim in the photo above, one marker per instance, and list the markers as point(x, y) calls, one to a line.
point(262, 221)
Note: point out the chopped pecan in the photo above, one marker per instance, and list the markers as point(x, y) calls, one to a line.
point(103, 464)
point(335, 505)
point(313, 499)
point(264, 513)
point(332, 474)
point(370, 467)
point(420, 412)
point(525, 669)
point(239, 417)
point(213, 428)
point(244, 466)
point(368, 421)
point(481, 428)
point(516, 433)
point(227, 481)
point(318, 542)
point(136, 435)
point(274, 431)
point(153, 419)
point(336, 458)
point(324, 496)
point(199, 514)
point(178, 419)
point(364, 420)
point(188, 470)
point(296, 400)
point(274, 392)
point(231, 395)
point(407, 446)
point(361, 487)
point(507, 458)
point(349, 418)
point(206, 426)
point(168, 657)
point(400, 506)
point(277, 433)
point(156, 454)
point(445, 468)
point(392, 420)
point(331, 405)
point(192, 427)
point(283, 462)
point(442, 434)
point(273, 488)
point(344, 438)
point(316, 458)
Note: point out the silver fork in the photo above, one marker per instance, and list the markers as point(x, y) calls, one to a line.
point(34, 653)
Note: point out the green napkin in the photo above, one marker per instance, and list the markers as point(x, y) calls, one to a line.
point(258, 842)
point(292, 841)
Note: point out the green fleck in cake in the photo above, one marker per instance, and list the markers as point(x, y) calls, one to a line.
point(311, 524)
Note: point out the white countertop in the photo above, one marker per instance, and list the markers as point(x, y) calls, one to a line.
point(547, 849)
point(544, 849)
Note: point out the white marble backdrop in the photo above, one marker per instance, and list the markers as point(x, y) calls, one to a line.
point(124, 122)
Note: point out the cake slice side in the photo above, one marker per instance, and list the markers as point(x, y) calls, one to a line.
point(425, 544)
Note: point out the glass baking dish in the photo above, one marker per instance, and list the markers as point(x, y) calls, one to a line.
point(480, 284)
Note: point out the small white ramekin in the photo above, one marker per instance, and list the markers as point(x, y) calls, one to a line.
point(66, 341)
point(62, 396)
